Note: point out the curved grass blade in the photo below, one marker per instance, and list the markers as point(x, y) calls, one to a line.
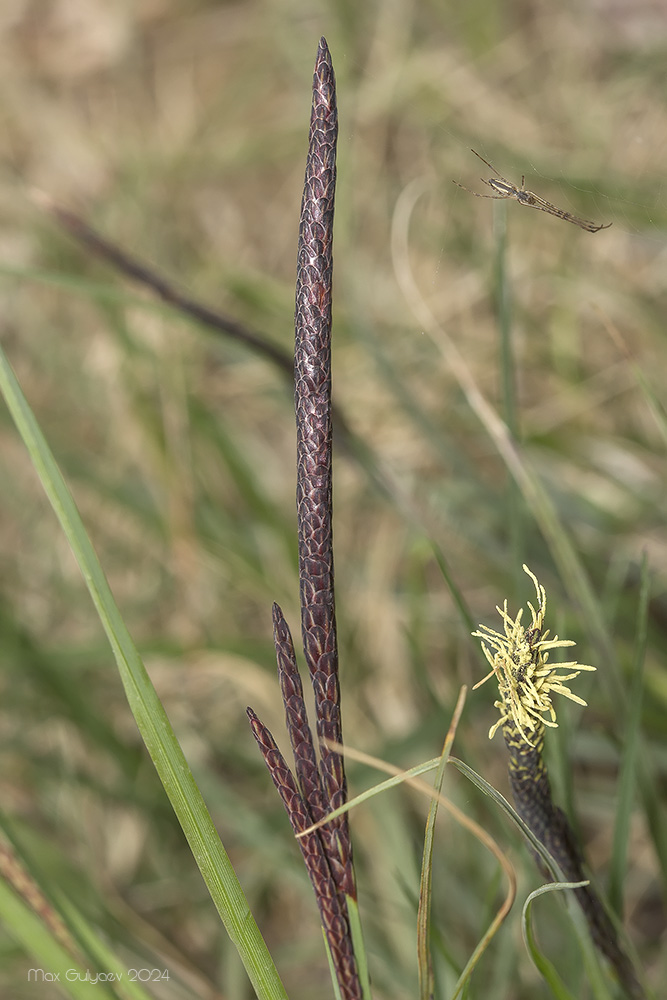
point(546, 969)
point(581, 928)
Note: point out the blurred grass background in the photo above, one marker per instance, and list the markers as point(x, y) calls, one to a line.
point(179, 131)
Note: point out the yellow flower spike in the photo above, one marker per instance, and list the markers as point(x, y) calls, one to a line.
point(519, 659)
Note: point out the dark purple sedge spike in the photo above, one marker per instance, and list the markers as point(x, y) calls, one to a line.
point(317, 790)
point(312, 375)
point(334, 920)
point(296, 718)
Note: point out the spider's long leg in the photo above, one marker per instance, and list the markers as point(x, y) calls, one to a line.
point(490, 165)
point(590, 227)
point(495, 197)
point(545, 206)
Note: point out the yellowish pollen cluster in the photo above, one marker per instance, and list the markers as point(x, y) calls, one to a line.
point(526, 680)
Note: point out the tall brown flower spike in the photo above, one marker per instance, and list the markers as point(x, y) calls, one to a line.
point(317, 789)
point(312, 375)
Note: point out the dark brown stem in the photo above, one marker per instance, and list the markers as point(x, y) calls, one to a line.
point(138, 271)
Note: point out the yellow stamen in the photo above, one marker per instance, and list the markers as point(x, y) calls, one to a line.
point(519, 659)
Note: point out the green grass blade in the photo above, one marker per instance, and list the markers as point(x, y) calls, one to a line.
point(359, 947)
point(382, 786)
point(53, 959)
point(332, 968)
point(631, 743)
point(517, 513)
point(70, 932)
point(542, 963)
point(425, 962)
point(102, 954)
point(593, 969)
point(148, 712)
point(591, 960)
point(501, 801)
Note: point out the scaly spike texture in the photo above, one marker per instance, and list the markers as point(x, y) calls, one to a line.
point(301, 738)
point(312, 374)
point(317, 789)
point(334, 920)
point(519, 660)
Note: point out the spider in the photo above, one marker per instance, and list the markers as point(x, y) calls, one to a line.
point(505, 189)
